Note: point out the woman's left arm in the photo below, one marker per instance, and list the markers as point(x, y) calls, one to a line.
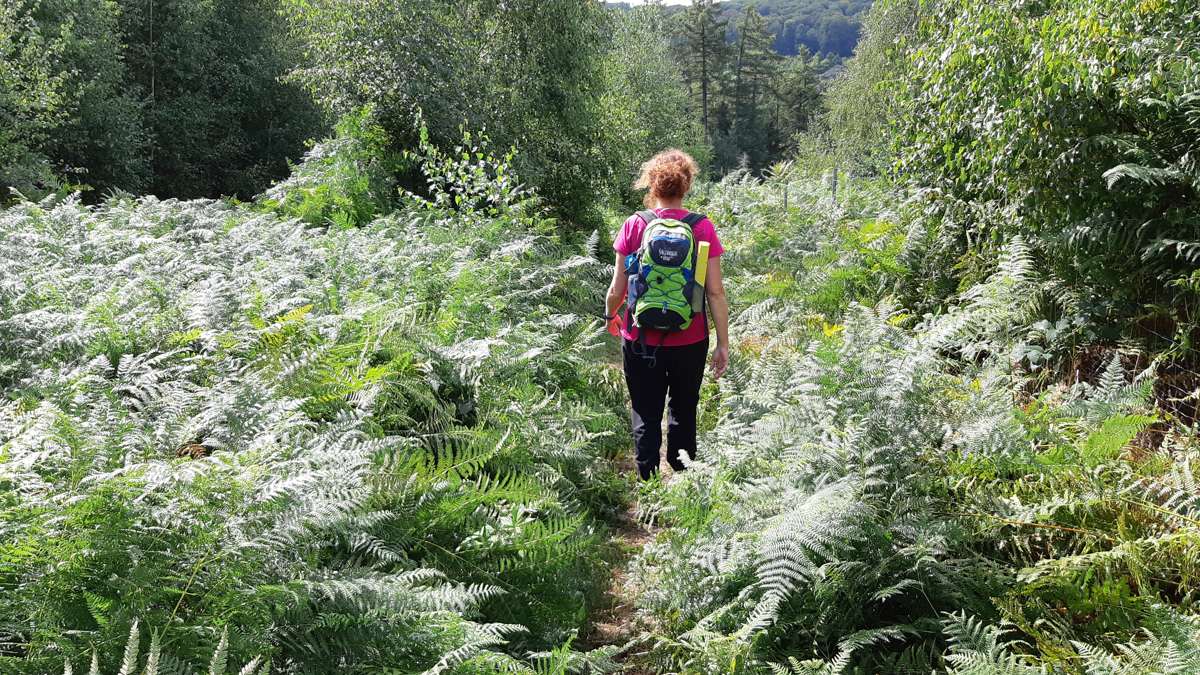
point(714, 288)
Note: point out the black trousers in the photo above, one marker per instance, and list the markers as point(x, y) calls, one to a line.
point(676, 372)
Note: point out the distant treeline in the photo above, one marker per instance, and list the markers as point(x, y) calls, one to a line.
point(753, 103)
point(211, 99)
point(168, 97)
point(825, 27)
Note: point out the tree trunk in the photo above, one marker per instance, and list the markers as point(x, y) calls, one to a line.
point(737, 78)
point(704, 71)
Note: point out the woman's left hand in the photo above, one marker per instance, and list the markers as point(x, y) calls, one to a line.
point(720, 361)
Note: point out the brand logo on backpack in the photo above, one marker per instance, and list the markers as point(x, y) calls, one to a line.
point(662, 282)
point(670, 249)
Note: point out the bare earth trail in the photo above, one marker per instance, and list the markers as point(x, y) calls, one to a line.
point(614, 621)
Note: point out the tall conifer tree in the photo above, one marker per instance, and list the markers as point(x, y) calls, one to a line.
point(756, 61)
point(704, 51)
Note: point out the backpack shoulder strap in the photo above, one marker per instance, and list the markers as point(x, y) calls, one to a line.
point(648, 216)
point(693, 219)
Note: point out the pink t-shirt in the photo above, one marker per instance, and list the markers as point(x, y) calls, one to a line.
point(630, 239)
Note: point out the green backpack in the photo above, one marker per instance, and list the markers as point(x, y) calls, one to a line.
point(662, 281)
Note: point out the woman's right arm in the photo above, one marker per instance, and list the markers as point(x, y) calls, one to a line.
point(616, 288)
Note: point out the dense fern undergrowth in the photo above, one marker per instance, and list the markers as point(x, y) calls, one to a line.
point(366, 421)
point(236, 439)
point(883, 492)
point(347, 427)
point(297, 436)
point(229, 437)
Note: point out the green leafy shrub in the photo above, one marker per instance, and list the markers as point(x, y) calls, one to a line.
point(346, 180)
point(31, 101)
point(491, 66)
point(1071, 124)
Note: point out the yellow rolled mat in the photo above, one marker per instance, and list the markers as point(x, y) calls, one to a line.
point(701, 274)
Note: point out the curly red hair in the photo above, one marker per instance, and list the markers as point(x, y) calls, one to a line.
point(667, 175)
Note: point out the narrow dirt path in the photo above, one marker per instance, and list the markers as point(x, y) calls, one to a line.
point(614, 621)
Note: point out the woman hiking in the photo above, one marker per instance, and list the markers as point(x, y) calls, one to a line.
point(665, 343)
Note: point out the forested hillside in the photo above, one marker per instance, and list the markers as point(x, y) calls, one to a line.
point(825, 27)
point(756, 71)
point(356, 411)
point(819, 26)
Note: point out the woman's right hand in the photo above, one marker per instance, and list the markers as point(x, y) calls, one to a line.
point(720, 361)
point(615, 325)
